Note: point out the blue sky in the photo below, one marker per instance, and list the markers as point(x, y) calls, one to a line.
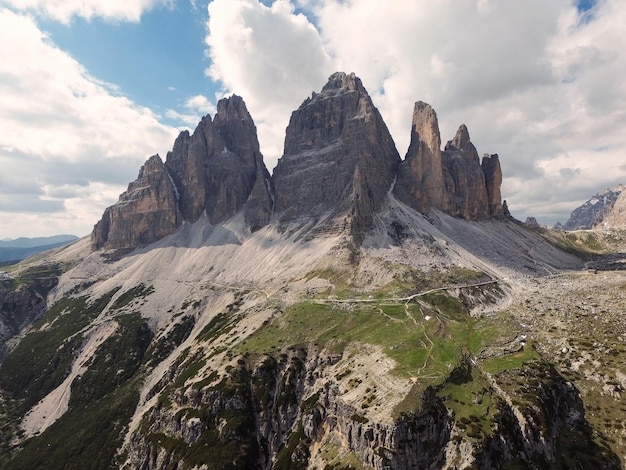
point(91, 89)
point(158, 62)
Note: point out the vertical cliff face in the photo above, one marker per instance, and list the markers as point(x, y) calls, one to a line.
point(493, 181)
point(217, 167)
point(215, 171)
point(339, 157)
point(339, 164)
point(146, 212)
point(420, 179)
point(281, 412)
point(466, 191)
point(452, 181)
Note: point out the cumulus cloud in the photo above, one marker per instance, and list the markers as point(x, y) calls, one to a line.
point(271, 56)
point(65, 10)
point(65, 135)
point(538, 83)
point(196, 107)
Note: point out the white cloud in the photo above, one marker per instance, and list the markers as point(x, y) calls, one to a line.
point(197, 106)
point(200, 104)
point(270, 56)
point(534, 81)
point(63, 133)
point(65, 10)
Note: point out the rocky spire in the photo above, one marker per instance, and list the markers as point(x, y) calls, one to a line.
point(462, 144)
point(146, 212)
point(420, 177)
point(493, 182)
point(339, 158)
point(217, 167)
point(466, 192)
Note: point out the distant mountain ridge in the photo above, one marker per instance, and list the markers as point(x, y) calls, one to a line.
point(21, 248)
point(27, 242)
point(593, 212)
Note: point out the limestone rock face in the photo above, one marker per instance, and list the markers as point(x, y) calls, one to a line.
point(217, 167)
point(466, 192)
point(215, 171)
point(453, 180)
point(420, 181)
point(493, 181)
point(146, 212)
point(339, 157)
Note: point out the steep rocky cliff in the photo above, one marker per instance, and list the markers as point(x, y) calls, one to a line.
point(493, 181)
point(592, 212)
point(616, 216)
point(420, 181)
point(338, 166)
point(454, 180)
point(215, 171)
point(339, 158)
point(23, 300)
point(217, 168)
point(146, 212)
point(466, 190)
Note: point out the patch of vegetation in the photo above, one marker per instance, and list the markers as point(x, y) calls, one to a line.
point(294, 455)
point(228, 437)
point(87, 435)
point(132, 295)
point(516, 360)
point(474, 403)
point(426, 348)
point(43, 358)
point(38, 272)
point(166, 344)
point(585, 244)
point(115, 362)
point(359, 418)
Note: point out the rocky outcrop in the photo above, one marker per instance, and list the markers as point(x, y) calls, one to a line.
point(264, 415)
point(217, 167)
point(23, 301)
point(420, 181)
point(339, 158)
point(338, 166)
point(146, 212)
point(454, 180)
point(215, 171)
point(493, 182)
point(616, 217)
point(466, 191)
point(593, 211)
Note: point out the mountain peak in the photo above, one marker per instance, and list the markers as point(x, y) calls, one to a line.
point(343, 81)
point(463, 144)
point(339, 158)
point(232, 108)
point(593, 211)
point(338, 166)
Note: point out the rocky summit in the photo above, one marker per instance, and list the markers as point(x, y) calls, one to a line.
point(339, 158)
point(592, 212)
point(212, 173)
point(351, 311)
point(338, 166)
